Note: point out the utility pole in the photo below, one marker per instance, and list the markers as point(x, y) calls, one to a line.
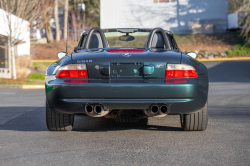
point(65, 27)
point(57, 20)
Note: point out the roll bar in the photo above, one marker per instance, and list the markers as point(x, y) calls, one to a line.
point(88, 38)
point(151, 35)
point(147, 44)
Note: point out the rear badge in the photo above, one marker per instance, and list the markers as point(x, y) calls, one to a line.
point(136, 71)
point(159, 66)
point(83, 61)
point(126, 54)
point(97, 67)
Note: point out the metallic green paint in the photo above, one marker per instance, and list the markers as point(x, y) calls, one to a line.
point(48, 88)
point(183, 98)
point(157, 69)
point(128, 92)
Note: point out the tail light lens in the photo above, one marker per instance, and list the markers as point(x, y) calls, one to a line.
point(73, 71)
point(180, 71)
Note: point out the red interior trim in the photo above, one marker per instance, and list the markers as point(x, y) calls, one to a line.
point(127, 50)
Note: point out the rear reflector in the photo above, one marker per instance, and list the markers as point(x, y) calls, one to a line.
point(180, 71)
point(176, 81)
point(76, 81)
point(73, 71)
point(127, 50)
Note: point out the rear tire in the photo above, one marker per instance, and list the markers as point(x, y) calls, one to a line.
point(58, 122)
point(196, 121)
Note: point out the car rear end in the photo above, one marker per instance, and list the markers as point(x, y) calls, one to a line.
point(101, 82)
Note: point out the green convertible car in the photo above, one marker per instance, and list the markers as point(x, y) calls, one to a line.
point(126, 74)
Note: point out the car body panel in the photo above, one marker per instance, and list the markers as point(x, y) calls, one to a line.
point(127, 82)
point(192, 95)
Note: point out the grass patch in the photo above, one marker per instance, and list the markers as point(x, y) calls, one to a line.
point(20, 82)
point(239, 50)
point(37, 76)
point(41, 65)
point(33, 79)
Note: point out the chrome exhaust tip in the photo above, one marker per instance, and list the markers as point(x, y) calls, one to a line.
point(164, 109)
point(157, 111)
point(98, 109)
point(89, 108)
point(154, 109)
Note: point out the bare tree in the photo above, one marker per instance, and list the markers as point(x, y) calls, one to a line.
point(92, 13)
point(234, 5)
point(65, 26)
point(17, 17)
point(57, 20)
point(245, 32)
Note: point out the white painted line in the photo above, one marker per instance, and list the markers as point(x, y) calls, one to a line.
point(33, 87)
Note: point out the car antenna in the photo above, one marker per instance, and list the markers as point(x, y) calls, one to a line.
point(67, 37)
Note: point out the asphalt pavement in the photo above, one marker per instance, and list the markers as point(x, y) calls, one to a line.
point(25, 140)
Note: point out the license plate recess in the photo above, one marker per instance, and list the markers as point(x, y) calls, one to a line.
point(126, 69)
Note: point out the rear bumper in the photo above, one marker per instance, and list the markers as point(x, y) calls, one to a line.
point(180, 98)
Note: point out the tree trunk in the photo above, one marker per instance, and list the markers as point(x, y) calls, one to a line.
point(12, 65)
point(65, 28)
point(75, 25)
point(57, 21)
point(83, 22)
point(48, 33)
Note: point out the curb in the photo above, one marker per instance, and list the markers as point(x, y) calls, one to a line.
point(33, 87)
point(44, 60)
point(22, 86)
point(225, 59)
point(10, 86)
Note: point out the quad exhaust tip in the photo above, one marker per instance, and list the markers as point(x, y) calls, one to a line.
point(89, 108)
point(157, 111)
point(164, 109)
point(98, 109)
point(154, 109)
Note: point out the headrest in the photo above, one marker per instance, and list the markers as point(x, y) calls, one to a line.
point(96, 41)
point(158, 41)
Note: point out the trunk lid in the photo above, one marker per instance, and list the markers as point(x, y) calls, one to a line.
point(103, 64)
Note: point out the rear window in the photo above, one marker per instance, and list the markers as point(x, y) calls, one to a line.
point(114, 41)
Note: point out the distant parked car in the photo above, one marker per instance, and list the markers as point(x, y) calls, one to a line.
point(145, 79)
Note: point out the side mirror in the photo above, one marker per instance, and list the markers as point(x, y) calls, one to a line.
point(61, 54)
point(192, 54)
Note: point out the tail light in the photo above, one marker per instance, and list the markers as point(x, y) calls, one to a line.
point(180, 71)
point(73, 71)
point(126, 50)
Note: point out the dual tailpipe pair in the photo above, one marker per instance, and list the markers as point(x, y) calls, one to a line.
point(95, 110)
point(157, 111)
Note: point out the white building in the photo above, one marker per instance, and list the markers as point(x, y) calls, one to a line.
point(21, 31)
point(178, 16)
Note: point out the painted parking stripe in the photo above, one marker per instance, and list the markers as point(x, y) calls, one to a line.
point(33, 87)
point(226, 59)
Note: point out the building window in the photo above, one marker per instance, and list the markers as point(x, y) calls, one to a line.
point(4, 58)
